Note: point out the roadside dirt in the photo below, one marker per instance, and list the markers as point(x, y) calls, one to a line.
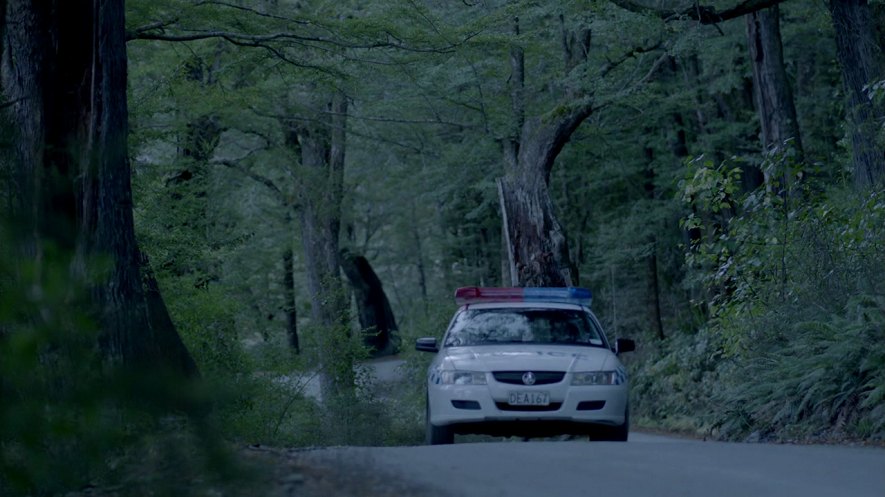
point(300, 473)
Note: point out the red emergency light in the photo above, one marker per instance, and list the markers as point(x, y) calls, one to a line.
point(565, 295)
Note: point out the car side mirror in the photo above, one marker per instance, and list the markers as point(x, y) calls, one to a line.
point(624, 345)
point(426, 345)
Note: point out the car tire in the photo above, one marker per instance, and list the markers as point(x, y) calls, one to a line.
point(437, 435)
point(618, 433)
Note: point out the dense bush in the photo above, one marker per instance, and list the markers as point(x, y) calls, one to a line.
point(71, 419)
point(795, 283)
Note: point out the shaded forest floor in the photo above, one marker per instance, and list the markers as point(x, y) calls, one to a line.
point(291, 474)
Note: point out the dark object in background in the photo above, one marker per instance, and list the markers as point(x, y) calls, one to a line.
point(376, 317)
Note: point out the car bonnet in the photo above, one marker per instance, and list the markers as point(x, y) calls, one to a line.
point(529, 357)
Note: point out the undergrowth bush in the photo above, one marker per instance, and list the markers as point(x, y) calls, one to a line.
point(826, 380)
point(672, 382)
point(69, 419)
point(795, 292)
point(412, 393)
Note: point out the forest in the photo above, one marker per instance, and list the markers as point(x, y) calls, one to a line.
point(208, 205)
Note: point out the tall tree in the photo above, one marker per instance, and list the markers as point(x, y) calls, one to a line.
point(537, 246)
point(318, 143)
point(861, 59)
point(65, 69)
point(772, 91)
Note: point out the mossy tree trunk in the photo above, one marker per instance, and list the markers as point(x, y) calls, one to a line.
point(65, 67)
point(861, 59)
point(772, 92)
point(319, 144)
point(536, 243)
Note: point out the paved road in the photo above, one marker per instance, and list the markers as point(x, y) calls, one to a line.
point(647, 466)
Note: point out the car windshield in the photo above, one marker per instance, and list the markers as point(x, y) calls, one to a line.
point(511, 325)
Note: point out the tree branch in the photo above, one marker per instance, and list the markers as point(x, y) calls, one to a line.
point(156, 32)
point(544, 137)
point(257, 177)
point(611, 65)
point(703, 14)
point(145, 33)
point(350, 131)
point(157, 25)
point(437, 122)
point(255, 12)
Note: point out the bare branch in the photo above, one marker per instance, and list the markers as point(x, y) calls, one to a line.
point(194, 35)
point(255, 12)
point(611, 65)
point(154, 26)
point(350, 130)
point(653, 69)
point(703, 14)
point(156, 31)
point(257, 177)
point(407, 121)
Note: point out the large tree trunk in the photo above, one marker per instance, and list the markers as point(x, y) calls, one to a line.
point(861, 61)
point(772, 93)
point(26, 40)
point(375, 315)
point(537, 246)
point(321, 149)
point(65, 66)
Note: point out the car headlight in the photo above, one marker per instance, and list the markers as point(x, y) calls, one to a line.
point(462, 378)
point(598, 378)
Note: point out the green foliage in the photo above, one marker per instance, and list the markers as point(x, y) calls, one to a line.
point(412, 393)
point(429, 90)
point(795, 285)
point(823, 380)
point(206, 322)
point(37, 355)
point(68, 417)
point(672, 383)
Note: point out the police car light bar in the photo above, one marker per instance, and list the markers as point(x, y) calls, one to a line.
point(564, 295)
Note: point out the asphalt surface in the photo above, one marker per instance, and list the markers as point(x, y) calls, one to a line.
point(645, 466)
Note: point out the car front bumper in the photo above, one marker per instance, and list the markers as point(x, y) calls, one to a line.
point(485, 409)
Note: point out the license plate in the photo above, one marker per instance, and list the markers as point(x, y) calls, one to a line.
point(529, 399)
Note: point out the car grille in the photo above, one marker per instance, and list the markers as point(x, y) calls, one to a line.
point(541, 377)
point(553, 406)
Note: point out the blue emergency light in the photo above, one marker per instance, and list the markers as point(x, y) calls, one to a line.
point(563, 295)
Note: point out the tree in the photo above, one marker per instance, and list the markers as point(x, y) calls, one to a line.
point(537, 247)
point(312, 135)
point(375, 315)
point(861, 60)
point(318, 144)
point(772, 92)
point(65, 68)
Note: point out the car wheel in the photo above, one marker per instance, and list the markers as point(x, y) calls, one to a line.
point(437, 435)
point(618, 433)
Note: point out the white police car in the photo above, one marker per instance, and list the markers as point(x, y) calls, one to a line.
point(526, 362)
